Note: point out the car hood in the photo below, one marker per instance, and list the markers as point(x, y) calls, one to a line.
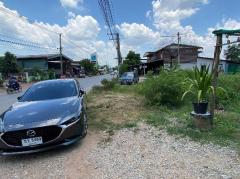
point(23, 115)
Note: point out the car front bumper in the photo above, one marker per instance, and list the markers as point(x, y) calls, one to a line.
point(66, 142)
point(69, 135)
point(126, 82)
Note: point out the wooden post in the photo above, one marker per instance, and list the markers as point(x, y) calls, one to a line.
point(216, 61)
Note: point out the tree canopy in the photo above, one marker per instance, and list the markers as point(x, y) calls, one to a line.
point(8, 64)
point(132, 58)
point(88, 66)
point(234, 53)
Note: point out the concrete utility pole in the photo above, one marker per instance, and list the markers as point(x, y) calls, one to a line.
point(119, 56)
point(179, 38)
point(60, 52)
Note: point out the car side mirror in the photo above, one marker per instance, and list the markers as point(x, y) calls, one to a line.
point(81, 92)
point(19, 97)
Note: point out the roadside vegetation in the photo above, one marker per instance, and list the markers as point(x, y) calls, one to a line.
point(157, 101)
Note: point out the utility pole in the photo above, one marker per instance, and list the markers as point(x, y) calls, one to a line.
point(60, 52)
point(179, 38)
point(215, 65)
point(119, 56)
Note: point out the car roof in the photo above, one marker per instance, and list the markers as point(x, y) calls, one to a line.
point(129, 72)
point(54, 81)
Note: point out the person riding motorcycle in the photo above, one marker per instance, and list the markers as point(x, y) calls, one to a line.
point(13, 83)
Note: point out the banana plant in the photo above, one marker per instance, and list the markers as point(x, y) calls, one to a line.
point(200, 85)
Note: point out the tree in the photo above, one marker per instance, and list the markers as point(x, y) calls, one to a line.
point(8, 64)
point(88, 66)
point(123, 68)
point(132, 59)
point(234, 53)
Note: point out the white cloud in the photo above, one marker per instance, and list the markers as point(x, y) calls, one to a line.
point(71, 3)
point(137, 34)
point(71, 14)
point(82, 30)
point(167, 14)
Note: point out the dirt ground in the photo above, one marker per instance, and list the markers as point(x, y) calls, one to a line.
point(115, 108)
point(103, 155)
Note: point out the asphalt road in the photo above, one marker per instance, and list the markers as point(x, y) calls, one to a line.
point(86, 83)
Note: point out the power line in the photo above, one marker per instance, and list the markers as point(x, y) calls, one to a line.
point(76, 45)
point(23, 44)
point(24, 20)
point(36, 44)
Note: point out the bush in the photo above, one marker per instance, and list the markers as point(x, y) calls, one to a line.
point(108, 85)
point(51, 74)
point(1, 82)
point(123, 68)
point(164, 89)
point(232, 86)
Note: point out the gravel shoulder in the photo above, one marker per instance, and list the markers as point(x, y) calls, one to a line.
point(151, 153)
point(141, 152)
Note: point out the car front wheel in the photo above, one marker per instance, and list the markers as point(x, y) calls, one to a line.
point(84, 124)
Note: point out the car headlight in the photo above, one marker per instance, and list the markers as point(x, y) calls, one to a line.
point(70, 121)
point(1, 125)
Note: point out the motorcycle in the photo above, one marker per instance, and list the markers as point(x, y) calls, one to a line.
point(13, 87)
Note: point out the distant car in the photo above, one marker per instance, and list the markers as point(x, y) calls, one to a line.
point(48, 115)
point(82, 75)
point(129, 78)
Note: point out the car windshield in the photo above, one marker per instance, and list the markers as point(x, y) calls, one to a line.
point(50, 90)
point(128, 75)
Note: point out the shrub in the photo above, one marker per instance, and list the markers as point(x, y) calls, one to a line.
point(232, 86)
point(164, 89)
point(108, 85)
point(1, 82)
point(51, 74)
point(123, 68)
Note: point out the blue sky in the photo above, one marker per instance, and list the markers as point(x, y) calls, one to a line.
point(141, 22)
point(51, 11)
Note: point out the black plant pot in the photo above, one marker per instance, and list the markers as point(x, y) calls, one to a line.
point(200, 108)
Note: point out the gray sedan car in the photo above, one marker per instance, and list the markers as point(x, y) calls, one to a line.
point(50, 114)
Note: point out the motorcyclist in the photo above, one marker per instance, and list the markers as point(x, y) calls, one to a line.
point(13, 83)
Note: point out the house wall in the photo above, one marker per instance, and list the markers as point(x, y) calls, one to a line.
point(188, 66)
point(186, 55)
point(184, 66)
point(233, 68)
point(30, 64)
point(209, 62)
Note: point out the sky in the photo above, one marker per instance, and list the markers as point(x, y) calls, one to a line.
point(142, 24)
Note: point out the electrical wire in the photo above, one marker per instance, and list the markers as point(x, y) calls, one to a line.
point(23, 44)
point(24, 20)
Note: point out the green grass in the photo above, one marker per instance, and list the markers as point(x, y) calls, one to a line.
point(226, 130)
point(176, 120)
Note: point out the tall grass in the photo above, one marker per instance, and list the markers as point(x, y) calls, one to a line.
point(164, 89)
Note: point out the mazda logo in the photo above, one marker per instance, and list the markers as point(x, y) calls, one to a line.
point(31, 133)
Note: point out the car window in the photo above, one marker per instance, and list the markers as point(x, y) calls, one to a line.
point(50, 90)
point(128, 75)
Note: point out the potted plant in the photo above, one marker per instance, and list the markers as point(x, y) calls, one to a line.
point(200, 86)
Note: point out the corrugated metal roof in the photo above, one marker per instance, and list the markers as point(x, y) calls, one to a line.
point(44, 56)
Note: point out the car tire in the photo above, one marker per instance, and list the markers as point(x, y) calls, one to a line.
point(84, 124)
